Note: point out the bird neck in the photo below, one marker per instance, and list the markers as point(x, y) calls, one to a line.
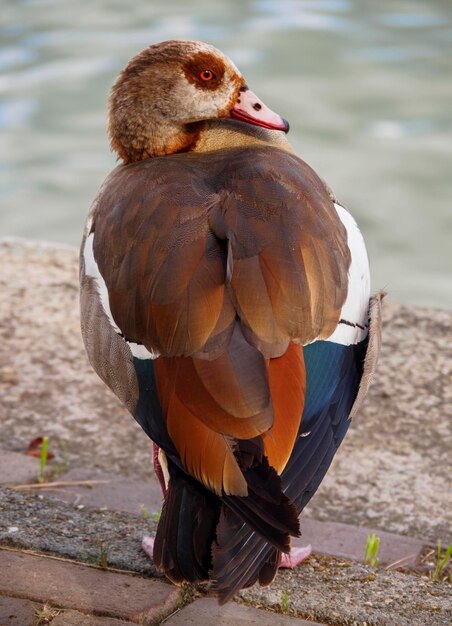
point(137, 139)
point(224, 133)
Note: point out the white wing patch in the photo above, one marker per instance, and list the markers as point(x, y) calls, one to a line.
point(353, 324)
point(92, 270)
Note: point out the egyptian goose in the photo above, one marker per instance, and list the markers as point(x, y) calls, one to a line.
point(225, 301)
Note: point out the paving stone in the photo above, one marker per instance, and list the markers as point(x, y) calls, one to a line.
point(16, 612)
point(18, 468)
point(120, 493)
point(347, 541)
point(206, 612)
point(74, 618)
point(86, 589)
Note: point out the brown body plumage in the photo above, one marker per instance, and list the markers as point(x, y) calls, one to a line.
point(210, 258)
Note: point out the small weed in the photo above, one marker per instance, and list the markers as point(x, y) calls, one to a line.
point(43, 459)
point(103, 562)
point(146, 515)
point(441, 561)
point(45, 614)
point(90, 558)
point(284, 604)
point(371, 551)
point(186, 595)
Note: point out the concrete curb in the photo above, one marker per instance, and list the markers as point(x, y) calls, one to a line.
point(324, 589)
point(144, 499)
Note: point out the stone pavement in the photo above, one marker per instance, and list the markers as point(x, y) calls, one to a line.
point(37, 590)
point(79, 595)
point(76, 595)
point(110, 579)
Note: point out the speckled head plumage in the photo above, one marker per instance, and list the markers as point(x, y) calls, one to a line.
point(164, 93)
point(163, 89)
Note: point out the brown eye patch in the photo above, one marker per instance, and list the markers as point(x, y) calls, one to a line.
point(204, 70)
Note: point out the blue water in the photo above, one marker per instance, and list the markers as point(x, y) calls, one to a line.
point(366, 86)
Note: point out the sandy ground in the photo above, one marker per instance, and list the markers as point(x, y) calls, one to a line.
point(392, 472)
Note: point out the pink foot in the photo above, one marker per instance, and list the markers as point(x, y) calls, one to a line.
point(296, 556)
point(147, 544)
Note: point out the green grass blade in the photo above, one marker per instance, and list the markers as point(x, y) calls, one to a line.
point(441, 561)
point(371, 550)
point(43, 459)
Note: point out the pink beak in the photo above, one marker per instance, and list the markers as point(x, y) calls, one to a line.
point(250, 109)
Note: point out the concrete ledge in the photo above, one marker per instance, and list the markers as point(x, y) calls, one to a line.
point(122, 495)
point(52, 526)
point(113, 492)
point(18, 468)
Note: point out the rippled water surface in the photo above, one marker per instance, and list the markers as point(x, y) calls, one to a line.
point(366, 86)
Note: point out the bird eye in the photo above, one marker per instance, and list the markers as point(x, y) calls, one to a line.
point(207, 75)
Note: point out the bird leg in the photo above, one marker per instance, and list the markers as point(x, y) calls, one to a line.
point(158, 468)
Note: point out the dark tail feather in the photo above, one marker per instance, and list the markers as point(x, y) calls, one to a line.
point(240, 557)
point(269, 569)
point(182, 547)
point(245, 542)
point(266, 508)
point(254, 530)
